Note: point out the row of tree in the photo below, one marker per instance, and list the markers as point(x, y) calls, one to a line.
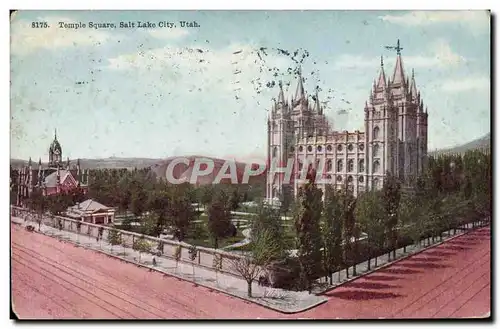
point(454, 190)
point(128, 190)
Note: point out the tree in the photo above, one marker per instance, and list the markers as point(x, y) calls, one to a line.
point(263, 251)
point(348, 205)
point(77, 195)
point(180, 213)
point(114, 238)
point(149, 225)
point(332, 232)
point(307, 226)
point(436, 218)
point(410, 215)
point(268, 219)
point(286, 199)
point(138, 202)
point(234, 200)
point(192, 256)
point(141, 245)
point(124, 195)
point(370, 216)
point(39, 205)
point(206, 194)
point(391, 195)
point(158, 203)
point(219, 217)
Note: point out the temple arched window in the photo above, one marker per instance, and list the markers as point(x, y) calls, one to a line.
point(376, 132)
point(340, 165)
point(350, 165)
point(329, 165)
point(361, 165)
point(375, 150)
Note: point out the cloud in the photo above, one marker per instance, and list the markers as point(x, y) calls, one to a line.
point(476, 19)
point(168, 33)
point(236, 70)
point(25, 39)
point(468, 84)
point(442, 55)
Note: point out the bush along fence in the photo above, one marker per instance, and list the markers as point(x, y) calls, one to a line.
point(200, 256)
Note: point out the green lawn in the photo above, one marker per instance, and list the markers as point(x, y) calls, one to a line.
point(200, 231)
point(289, 236)
point(207, 242)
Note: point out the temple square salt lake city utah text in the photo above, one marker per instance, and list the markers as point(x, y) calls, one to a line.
point(121, 25)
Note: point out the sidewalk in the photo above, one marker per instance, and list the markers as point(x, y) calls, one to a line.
point(244, 242)
point(362, 268)
point(276, 299)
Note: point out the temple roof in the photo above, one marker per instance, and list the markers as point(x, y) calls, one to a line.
point(51, 180)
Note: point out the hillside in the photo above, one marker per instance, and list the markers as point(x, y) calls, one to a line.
point(111, 162)
point(159, 166)
point(181, 171)
point(480, 143)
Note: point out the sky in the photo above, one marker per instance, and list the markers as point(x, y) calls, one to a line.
point(170, 91)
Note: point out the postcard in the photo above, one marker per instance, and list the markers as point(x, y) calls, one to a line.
point(250, 165)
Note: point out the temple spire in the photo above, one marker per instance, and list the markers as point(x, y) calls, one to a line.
point(281, 96)
point(413, 86)
point(299, 94)
point(398, 76)
point(55, 133)
point(317, 106)
point(381, 78)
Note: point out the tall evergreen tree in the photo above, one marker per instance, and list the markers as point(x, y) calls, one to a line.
point(391, 196)
point(219, 216)
point(370, 216)
point(348, 204)
point(307, 225)
point(332, 232)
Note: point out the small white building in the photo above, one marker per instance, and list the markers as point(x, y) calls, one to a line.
point(91, 211)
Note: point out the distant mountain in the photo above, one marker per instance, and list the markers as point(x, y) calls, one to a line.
point(109, 163)
point(159, 167)
point(183, 171)
point(483, 143)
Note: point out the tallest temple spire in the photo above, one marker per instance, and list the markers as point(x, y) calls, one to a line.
point(399, 75)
